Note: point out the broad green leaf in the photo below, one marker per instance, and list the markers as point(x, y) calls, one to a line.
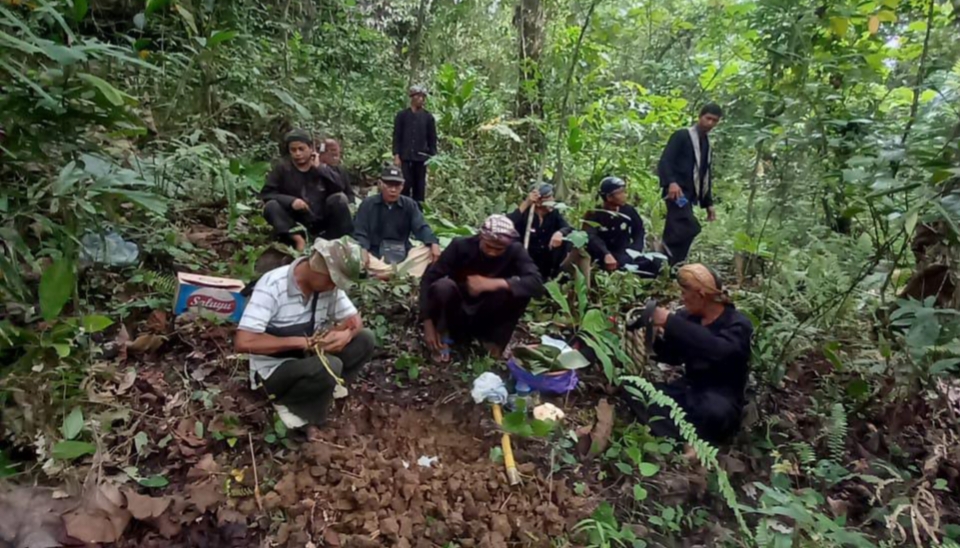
point(887, 16)
point(69, 450)
point(624, 468)
point(288, 100)
point(187, 17)
point(941, 366)
point(72, 424)
point(553, 289)
point(154, 5)
point(155, 481)
point(140, 441)
point(572, 360)
point(63, 350)
point(594, 322)
point(639, 493)
point(541, 429)
point(56, 288)
point(839, 25)
point(95, 323)
point(648, 469)
point(220, 37)
point(113, 95)
point(578, 238)
point(80, 8)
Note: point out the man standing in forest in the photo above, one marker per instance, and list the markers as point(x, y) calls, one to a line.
point(414, 142)
point(331, 155)
point(301, 190)
point(685, 179)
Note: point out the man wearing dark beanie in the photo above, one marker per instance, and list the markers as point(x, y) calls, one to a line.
point(685, 178)
point(302, 197)
point(616, 232)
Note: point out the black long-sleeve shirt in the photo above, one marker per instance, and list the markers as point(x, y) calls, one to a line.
point(344, 183)
point(540, 231)
point(378, 221)
point(463, 258)
point(614, 232)
point(677, 164)
point(285, 184)
point(716, 356)
point(414, 135)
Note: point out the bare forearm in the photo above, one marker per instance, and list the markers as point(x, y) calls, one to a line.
point(262, 343)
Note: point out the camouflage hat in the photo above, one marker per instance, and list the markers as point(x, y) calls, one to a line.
point(340, 259)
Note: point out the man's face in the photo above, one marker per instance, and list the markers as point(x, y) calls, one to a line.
point(390, 190)
point(617, 198)
point(418, 100)
point(331, 154)
point(692, 300)
point(708, 122)
point(319, 282)
point(301, 153)
point(492, 248)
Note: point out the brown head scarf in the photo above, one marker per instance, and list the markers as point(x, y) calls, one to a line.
point(701, 279)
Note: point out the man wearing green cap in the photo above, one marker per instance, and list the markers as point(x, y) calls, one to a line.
point(414, 142)
point(305, 337)
point(301, 190)
point(383, 227)
point(545, 238)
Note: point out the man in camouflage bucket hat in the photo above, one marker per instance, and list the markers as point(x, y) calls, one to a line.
point(305, 337)
point(478, 289)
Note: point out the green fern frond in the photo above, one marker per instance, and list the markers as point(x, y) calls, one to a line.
point(837, 432)
point(705, 452)
point(159, 282)
point(805, 453)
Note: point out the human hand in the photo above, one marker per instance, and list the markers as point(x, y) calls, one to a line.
point(610, 262)
point(477, 285)
point(674, 192)
point(711, 214)
point(434, 253)
point(335, 340)
point(431, 336)
point(660, 316)
point(315, 160)
point(396, 160)
point(556, 240)
point(534, 197)
point(299, 205)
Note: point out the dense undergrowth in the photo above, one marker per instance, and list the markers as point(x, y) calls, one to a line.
point(837, 171)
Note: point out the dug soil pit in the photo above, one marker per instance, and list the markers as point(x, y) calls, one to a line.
point(362, 485)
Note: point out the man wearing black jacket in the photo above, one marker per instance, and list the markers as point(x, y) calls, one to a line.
point(478, 289)
point(545, 243)
point(300, 190)
point(685, 179)
point(331, 155)
point(616, 232)
point(414, 142)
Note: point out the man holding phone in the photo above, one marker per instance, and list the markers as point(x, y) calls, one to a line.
point(685, 179)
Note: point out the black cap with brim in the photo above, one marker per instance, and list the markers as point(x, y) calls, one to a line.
point(298, 136)
point(391, 174)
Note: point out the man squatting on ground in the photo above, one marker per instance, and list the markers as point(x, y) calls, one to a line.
point(294, 311)
point(478, 290)
point(685, 178)
point(301, 190)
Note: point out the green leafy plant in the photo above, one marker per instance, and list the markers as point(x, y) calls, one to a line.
point(602, 530)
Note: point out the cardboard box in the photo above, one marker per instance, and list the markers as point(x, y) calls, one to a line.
point(219, 296)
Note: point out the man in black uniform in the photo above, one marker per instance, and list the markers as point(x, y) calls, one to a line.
point(300, 190)
point(685, 179)
point(478, 289)
point(546, 244)
point(414, 142)
point(616, 232)
point(711, 339)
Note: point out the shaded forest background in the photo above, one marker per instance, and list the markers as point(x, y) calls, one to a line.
point(837, 166)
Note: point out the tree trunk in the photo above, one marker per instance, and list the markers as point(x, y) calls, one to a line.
point(530, 20)
point(417, 43)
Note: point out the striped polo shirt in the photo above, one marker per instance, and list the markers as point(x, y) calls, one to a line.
point(278, 303)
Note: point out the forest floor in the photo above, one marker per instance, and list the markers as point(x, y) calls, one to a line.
point(172, 400)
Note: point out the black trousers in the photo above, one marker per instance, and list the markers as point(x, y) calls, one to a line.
point(679, 231)
point(331, 223)
point(305, 386)
point(645, 268)
point(548, 260)
point(715, 414)
point(415, 180)
point(491, 318)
